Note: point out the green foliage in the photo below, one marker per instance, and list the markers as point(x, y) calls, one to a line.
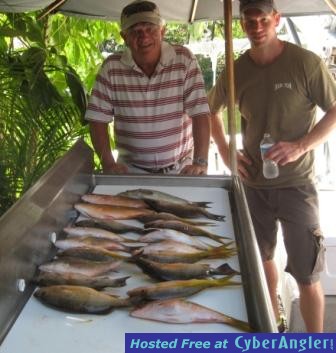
point(81, 42)
point(177, 33)
point(237, 31)
point(205, 66)
point(41, 105)
point(182, 33)
point(46, 68)
point(31, 141)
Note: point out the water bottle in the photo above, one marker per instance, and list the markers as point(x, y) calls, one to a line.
point(270, 168)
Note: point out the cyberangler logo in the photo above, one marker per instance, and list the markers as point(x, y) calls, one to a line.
point(285, 343)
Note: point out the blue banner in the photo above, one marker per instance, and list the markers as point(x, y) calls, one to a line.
point(229, 342)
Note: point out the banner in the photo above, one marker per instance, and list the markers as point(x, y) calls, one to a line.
point(229, 342)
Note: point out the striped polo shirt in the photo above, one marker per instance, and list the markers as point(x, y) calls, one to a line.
point(152, 116)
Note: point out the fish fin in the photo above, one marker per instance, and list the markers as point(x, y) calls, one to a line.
point(138, 230)
point(218, 217)
point(202, 203)
point(198, 223)
point(130, 249)
point(224, 269)
point(222, 250)
point(137, 253)
point(144, 231)
point(224, 242)
point(121, 282)
point(150, 229)
point(151, 203)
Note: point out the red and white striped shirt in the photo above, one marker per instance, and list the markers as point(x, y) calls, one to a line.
point(152, 116)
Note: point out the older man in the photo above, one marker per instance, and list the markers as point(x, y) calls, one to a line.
point(154, 94)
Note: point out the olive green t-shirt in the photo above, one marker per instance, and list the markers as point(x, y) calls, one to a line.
point(280, 99)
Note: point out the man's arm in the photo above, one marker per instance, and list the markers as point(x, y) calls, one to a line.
point(285, 152)
point(219, 136)
point(201, 136)
point(101, 143)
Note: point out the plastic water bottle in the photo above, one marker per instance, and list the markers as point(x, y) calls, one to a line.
point(270, 168)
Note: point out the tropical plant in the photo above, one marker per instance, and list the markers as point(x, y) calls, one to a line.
point(41, 106)
point(83, 43)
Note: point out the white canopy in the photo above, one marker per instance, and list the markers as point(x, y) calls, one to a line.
point(176, 10)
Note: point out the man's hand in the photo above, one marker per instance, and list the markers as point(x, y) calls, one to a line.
point(115, 168)
point(194, 169)
point(285, 152)
point(242, 160)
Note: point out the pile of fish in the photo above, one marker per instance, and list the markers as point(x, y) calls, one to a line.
point(166, 247)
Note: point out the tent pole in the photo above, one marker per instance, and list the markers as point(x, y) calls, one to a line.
point(52, 7)
point(193, 11)
point(293, 31)
point(230, 87)
point(331, 4)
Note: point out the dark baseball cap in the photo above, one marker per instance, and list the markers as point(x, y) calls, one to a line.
point(266, 6)
point(140, 11)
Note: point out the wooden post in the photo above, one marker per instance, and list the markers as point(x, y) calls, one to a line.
point(230, 85)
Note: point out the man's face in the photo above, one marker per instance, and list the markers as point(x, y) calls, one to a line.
point(144, 40)
point(260, 27)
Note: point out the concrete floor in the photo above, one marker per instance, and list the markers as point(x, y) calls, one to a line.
point(296, 323)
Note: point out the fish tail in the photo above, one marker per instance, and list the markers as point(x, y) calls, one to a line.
point(223, 238)
point(213, 216)
point(144, 231)
point(219, 238)
point(122, 302)
point(202, 203)
point(241, 325)
point(130, 249)
point(226, 281)
point(121, 282)
point(229, 244)
point(136, 255)
point(125, 302)
point(222, 251)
